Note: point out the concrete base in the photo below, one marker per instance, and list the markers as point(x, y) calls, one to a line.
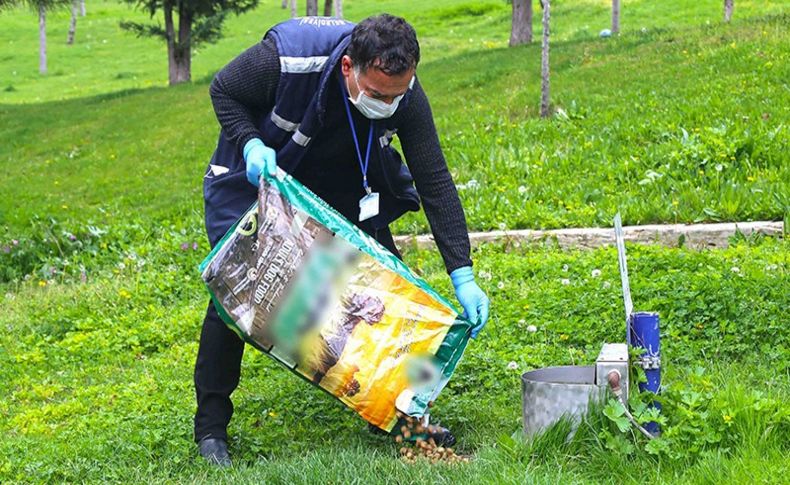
point(696, 236)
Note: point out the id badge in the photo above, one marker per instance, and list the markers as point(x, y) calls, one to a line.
point(369, 206)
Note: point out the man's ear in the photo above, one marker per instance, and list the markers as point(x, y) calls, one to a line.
point(346, 65)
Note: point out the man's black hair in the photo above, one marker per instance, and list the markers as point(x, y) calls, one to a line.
point(385, 42)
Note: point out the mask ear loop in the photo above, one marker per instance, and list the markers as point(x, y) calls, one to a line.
point(359, 90)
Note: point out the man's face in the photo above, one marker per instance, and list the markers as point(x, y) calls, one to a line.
point(374, 82)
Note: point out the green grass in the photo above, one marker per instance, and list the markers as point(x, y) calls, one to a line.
point(106, 59)
point(668, 125)
point(687, 120)
point(97, 375)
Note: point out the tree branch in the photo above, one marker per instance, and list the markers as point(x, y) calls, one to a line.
point(144, 30)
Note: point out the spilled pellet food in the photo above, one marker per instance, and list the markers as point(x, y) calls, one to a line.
point(422, 448)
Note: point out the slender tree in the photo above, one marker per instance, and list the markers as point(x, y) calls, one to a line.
point(729, 5)
point(82, 8)
point(615, 16)
point(188, 23)
point(327, 8)
point(544, 62)
point(73, 22)
point(339, 9)
point(521, 27)
point(42, 38)
point(285, 4)
point(312, 7)
point(294, 13)
point(41, 7)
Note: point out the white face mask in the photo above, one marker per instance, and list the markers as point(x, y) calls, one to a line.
point(372, 108)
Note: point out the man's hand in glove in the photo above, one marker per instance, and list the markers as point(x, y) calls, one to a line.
point(260, 160)
point(475, 303)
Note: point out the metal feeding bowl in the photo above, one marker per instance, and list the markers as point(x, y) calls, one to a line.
point(552, 393)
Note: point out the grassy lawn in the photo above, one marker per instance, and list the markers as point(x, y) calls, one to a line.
point(680, 119)
point(97, 374)
point(446, 27)
point(677, 124)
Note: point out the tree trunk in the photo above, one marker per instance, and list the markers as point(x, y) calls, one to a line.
point(178, 50)
point(183, 52)
point(728, 7)
point(73, 22)
point(327, 8)
point(521, 28)
point(42, 39)
point(544, 64)
point(82, 8)
point(339, 9)
point(178, 58)
point(294, 13)
point(312, 7)
point(285, 4)
point(167, 9)
point(615, 16)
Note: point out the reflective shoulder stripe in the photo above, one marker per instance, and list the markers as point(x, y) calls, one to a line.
point(283, 124)
point(300, 138)
point(302, 64)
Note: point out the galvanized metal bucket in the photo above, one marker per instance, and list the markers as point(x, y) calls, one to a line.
point(554, 392)
point(551, 393)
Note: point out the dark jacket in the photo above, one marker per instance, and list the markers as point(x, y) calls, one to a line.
point(310, 49)
point(252, 86)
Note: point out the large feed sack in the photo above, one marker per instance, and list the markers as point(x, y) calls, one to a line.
point(301, 283)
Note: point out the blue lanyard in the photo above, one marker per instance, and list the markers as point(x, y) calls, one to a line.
point(363, 165)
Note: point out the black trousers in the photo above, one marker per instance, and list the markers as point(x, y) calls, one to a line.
point(218, 366)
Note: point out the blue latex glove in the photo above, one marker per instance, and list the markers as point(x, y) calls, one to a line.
point(476, 304)
point(260, 159)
